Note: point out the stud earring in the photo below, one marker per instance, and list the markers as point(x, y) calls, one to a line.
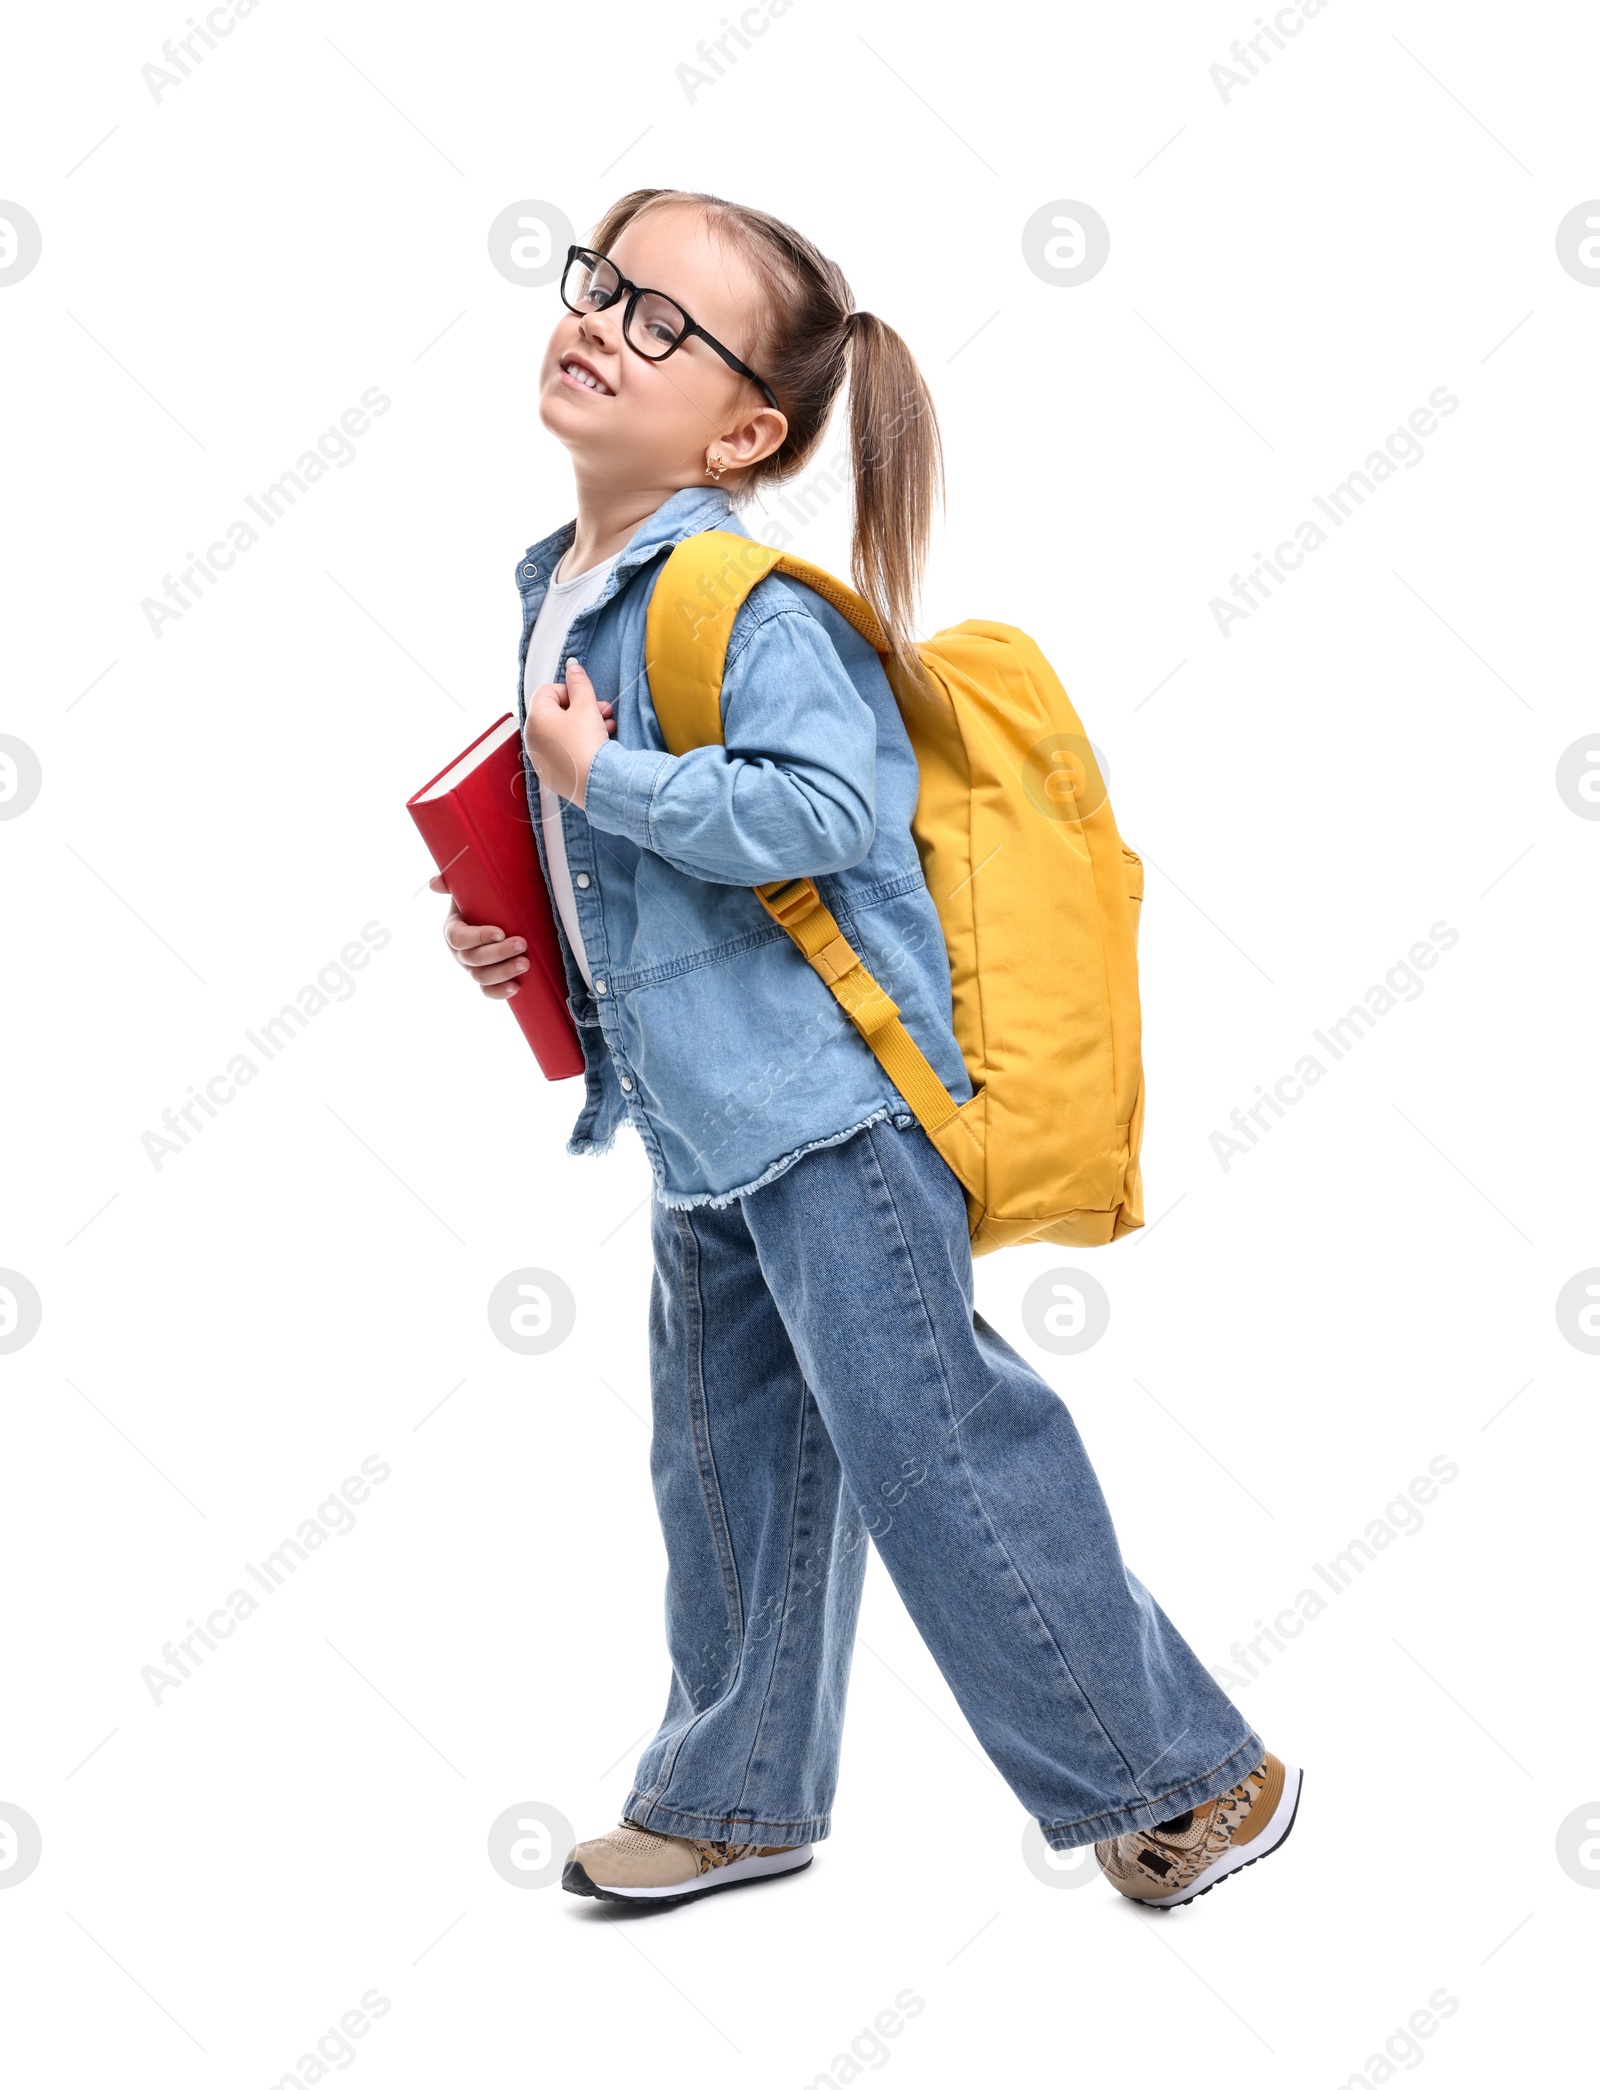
point(714, 467)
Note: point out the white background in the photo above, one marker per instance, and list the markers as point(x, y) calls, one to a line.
point(1292, 271)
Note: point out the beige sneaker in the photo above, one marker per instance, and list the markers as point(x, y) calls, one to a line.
point(1180, 1859)
point(633, 1864)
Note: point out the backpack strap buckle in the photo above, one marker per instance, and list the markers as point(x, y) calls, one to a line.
point(869, 1008)
point(788, 900)
point(796, 903)
point(835, 958)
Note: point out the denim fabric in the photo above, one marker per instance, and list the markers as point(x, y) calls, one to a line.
point(706, 1029)
point(819, 1375)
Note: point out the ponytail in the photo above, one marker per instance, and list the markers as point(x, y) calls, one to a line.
point(899, 471)
point(806, 342)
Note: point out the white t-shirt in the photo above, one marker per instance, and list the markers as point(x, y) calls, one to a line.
point(546, 663)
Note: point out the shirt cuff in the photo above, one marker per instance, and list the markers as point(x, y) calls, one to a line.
point(621, 783)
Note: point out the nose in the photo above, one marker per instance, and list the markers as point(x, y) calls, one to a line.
point(604, 328)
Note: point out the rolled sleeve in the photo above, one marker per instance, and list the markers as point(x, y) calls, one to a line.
point(789, 793)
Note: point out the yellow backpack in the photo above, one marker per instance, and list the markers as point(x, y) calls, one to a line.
point(1037, 894)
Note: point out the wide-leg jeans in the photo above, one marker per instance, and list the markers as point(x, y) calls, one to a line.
point(819, 1379)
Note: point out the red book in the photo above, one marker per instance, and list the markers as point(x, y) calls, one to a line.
point(474, 818)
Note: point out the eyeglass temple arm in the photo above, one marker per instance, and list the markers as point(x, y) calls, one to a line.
point(733, 362)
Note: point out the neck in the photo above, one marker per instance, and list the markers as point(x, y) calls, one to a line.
point(607, 520)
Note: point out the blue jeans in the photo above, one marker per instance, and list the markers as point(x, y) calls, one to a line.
point(818, 1376)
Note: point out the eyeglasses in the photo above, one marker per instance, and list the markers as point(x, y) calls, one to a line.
point(653, 325)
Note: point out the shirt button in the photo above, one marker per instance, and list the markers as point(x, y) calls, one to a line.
point(599, 986)
point(530, 573)
point(582, 878)
point(626, 1080)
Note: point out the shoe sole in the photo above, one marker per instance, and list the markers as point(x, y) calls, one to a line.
point(1272, 1838)
point(746, 1872)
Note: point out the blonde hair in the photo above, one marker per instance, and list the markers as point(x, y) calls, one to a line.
point(808, 340)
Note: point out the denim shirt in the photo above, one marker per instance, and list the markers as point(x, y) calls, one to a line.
point(706, 1028)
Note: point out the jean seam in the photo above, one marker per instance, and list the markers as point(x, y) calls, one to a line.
point(955, 1429)
point(807, 1406)
point(705, 1463)
point(700, 1414)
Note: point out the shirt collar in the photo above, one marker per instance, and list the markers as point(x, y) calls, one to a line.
point(683, 514)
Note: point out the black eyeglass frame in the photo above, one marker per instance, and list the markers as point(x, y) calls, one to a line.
point(637, 291)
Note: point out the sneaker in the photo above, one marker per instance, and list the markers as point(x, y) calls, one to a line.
point(634, 1864)
point(1178, 1860)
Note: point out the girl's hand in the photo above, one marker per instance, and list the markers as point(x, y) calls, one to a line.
point(493, 959)
point(566, 729)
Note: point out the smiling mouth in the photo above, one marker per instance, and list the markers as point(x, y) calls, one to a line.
point(584, 379)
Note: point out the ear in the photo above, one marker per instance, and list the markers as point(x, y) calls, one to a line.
point(747, 443)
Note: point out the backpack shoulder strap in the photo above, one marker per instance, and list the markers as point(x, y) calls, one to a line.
point(699, 592)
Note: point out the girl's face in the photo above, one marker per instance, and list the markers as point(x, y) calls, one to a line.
point(649, 425)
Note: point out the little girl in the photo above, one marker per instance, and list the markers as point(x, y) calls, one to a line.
point(818, 1372)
